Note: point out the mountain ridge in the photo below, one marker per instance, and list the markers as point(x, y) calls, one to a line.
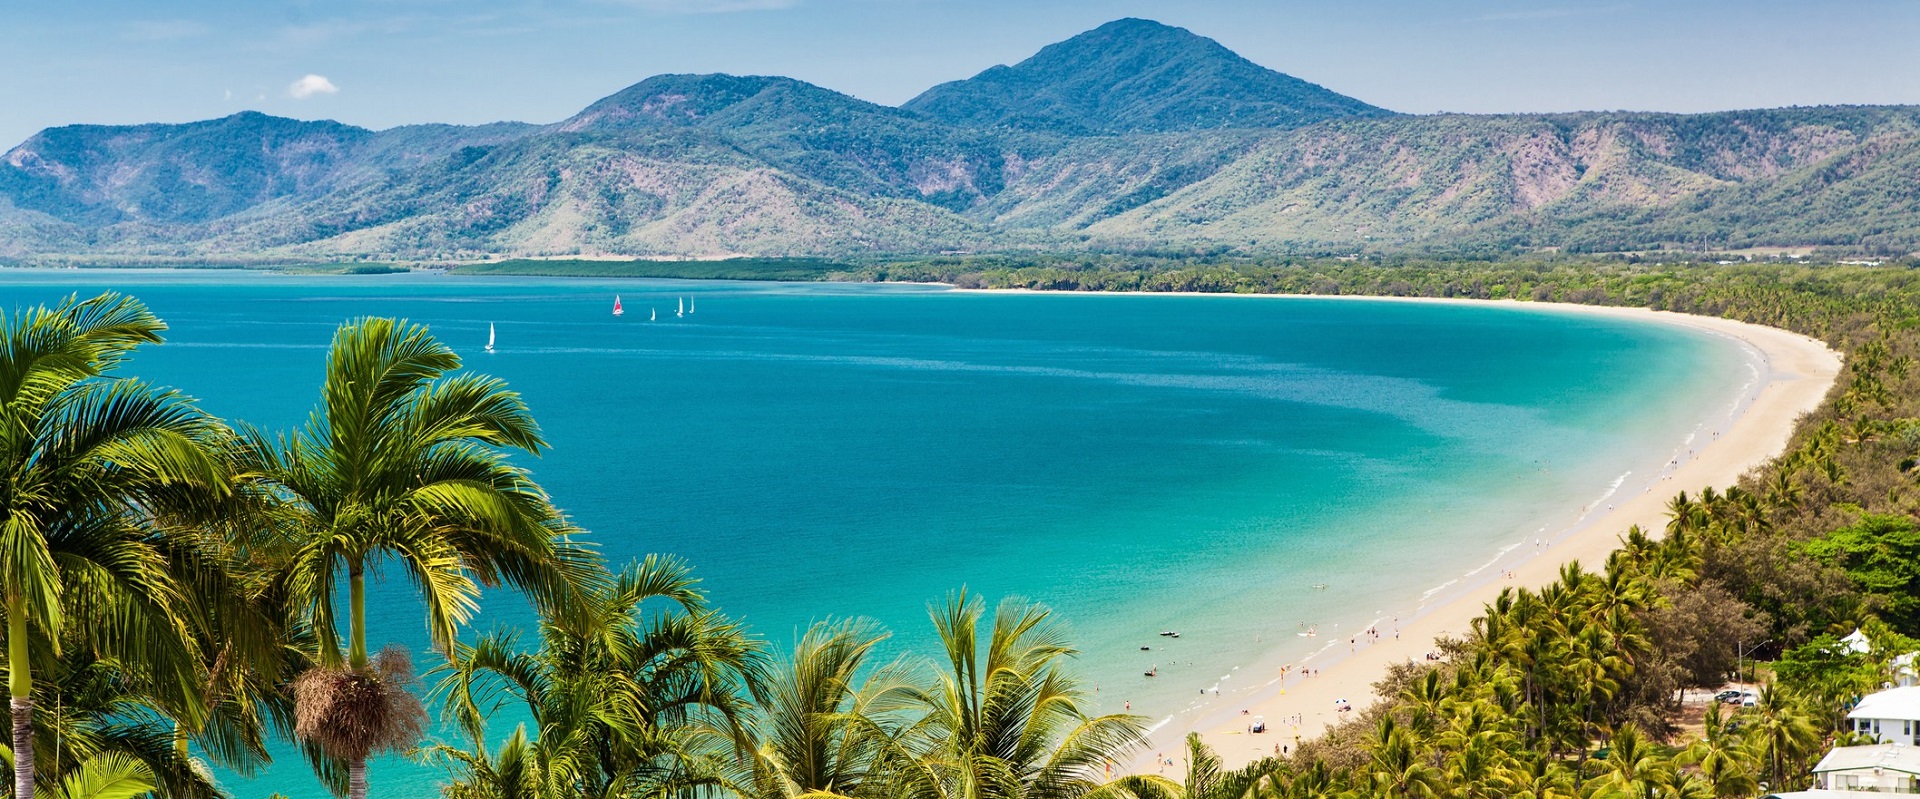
point(716, 164)
point(1134, 76)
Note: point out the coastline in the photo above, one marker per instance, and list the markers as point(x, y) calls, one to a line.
point(1796, 374)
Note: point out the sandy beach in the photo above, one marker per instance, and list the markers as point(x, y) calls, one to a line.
point(1795, 375)
point(1797, 372)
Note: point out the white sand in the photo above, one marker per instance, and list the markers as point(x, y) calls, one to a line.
point(1796, 373)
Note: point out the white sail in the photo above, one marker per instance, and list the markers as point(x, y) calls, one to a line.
point(689, 305)
point(682, 311)
point(490, 333)
point(652, 314)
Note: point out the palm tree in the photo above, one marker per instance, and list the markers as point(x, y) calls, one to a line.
point(108, 776)
point(626, 700)
point(1722, 757)
point(823, 722)
point(1783, 738)
point(1634, 769)
point(1397, 767)
point(96, 474)
point(1003, 719)
point(91, 707)
point(1536, 777)
point(406, 463)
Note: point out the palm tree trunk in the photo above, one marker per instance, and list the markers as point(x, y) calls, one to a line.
point(23, 747)
point(20, 688)
point(356, 617)
point(357, 661)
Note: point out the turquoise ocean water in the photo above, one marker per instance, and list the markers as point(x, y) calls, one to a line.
point(1140, 463)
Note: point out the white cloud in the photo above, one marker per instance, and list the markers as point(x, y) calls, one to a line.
point(311, 85)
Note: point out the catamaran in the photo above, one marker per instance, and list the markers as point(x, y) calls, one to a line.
point(616, 306)
point(490, 337)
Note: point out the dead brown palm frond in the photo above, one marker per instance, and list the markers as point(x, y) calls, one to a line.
point(354, 714)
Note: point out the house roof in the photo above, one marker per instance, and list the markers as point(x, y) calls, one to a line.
point(1857, 641)
point(1893, 703)
point(1885, 757)
point(1823, 793)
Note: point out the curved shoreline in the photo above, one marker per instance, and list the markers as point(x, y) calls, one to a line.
point(1797, 373)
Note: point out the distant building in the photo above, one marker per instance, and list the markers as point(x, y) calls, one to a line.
point(1888, 767)
point(1902, 670)
point(1881, 768)
point(1856, 641)
point(1889, 717)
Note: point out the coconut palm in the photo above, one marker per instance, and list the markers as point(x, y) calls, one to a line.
point(638, 696)
point(92, 707)
point(405, 463)
point(1722, 756)
point(1536, 777)
point(1397, 767)
point(1207, 778)
point(823, 719)
point(113, 775)
point(1003, 718)
point(1635, 769)
point(97, 475)
point(1783, 739)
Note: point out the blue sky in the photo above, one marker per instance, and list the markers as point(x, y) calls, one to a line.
point(380, 63)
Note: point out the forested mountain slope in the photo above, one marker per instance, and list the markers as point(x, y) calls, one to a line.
point(1134, 135)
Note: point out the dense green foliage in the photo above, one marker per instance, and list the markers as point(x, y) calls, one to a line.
point(636, 688)
point(1881, 553)
point(727, 269)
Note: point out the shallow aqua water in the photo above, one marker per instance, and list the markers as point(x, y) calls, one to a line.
point(1138, 462)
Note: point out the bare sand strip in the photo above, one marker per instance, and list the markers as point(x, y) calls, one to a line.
point(1795, 374)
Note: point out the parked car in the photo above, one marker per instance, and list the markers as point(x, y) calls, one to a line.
point(1727, 696)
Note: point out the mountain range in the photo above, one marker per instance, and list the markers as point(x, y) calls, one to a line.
point(1132, 136)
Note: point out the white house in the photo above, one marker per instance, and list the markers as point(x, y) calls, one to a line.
point(1901, 669)
point(1880, 768)
point(1888, 767)
point(1889, 717)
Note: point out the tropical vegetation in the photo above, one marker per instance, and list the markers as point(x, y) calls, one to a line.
point(180, 590)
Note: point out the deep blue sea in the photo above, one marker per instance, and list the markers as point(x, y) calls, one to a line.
point(1140, 463)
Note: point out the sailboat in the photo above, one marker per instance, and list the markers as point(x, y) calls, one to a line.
point(689, 305)
point(617, 310)
point(683, 308)
point(652, 314)
point(490, 337)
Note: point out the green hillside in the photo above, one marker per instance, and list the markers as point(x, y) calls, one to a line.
point(794, 269)
point(1134, 76)
point(1132, 137)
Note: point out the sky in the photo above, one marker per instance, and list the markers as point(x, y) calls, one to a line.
point(381, 63)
